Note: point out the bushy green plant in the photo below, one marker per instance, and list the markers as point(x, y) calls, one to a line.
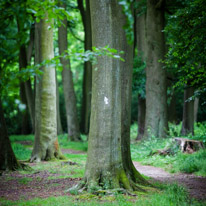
point(194, 163)
point(174, 130)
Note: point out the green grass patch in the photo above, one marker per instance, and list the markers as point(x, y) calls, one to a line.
point(64, 143)
point(170, 195)
point(16, 138)
point(21, 152)
point(25, 180)
point(193, 163)
point(179, 162)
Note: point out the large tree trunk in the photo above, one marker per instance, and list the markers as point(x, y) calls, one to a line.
point(8, 160)
point(188, 112)
point(87, 79)
point(156, 94)
point(126, 96)
point(69, 93)
point(110, 115)
point(46, 143)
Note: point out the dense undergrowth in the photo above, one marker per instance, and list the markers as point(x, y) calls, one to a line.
point(178, 162)
point(141, 151)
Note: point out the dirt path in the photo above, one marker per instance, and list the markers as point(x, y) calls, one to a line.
point(196, 185)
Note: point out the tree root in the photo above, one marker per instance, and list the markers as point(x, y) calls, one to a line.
point(119, 184)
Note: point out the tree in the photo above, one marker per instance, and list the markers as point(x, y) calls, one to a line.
point(87, 78)
point(59, 123)
point(8, 160)
point(46, 143)
point(186, 42)
point(188, 112)
point(26, 92)
point(69, 93)
point(111, 95)
point(156, 94)
point(141, 47)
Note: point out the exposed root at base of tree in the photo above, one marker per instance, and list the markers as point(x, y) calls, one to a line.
point(37, 158)
point(18, 165)
point(124, 185)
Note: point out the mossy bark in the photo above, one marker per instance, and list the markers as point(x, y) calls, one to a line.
point(68, 87)
point(45, 145)
point(109, 164)
point(156, 95)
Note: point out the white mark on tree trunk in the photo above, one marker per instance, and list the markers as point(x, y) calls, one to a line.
point(106, 100)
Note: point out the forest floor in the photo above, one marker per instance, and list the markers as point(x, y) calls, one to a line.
point(42, 183)
point(195, 185)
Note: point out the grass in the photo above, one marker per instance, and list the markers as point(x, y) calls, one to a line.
point(168, 195)
point(81, 146)
point(179, 162)
point(21, 152)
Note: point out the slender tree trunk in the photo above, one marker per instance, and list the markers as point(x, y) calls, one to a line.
point(156, 94)
point(141, 117)
point(28, 86)
point(28, 97)
point(87, 79)
point(46, 143)
point(111, 91)
point(196, 105)
point(8, 160)
point(188, 112)
point(59, 124)
point(69, 93)
point(25, 126)
point(172, 114)
point(141, 46)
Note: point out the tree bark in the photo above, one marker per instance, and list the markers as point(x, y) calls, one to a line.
point(111, 95)
point(8, 160)
point(59, 124)
point(156, 95)
point(172, 113)
point(25, 126)
point(188, 112)
point(26, 88)
point(141, 117)
point(196, 106)
point(87, 79)
point(46, 143)
point(141, 46)
point(69, 93)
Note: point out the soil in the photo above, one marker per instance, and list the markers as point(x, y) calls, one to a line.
point(43, 184)
point(195, 185)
